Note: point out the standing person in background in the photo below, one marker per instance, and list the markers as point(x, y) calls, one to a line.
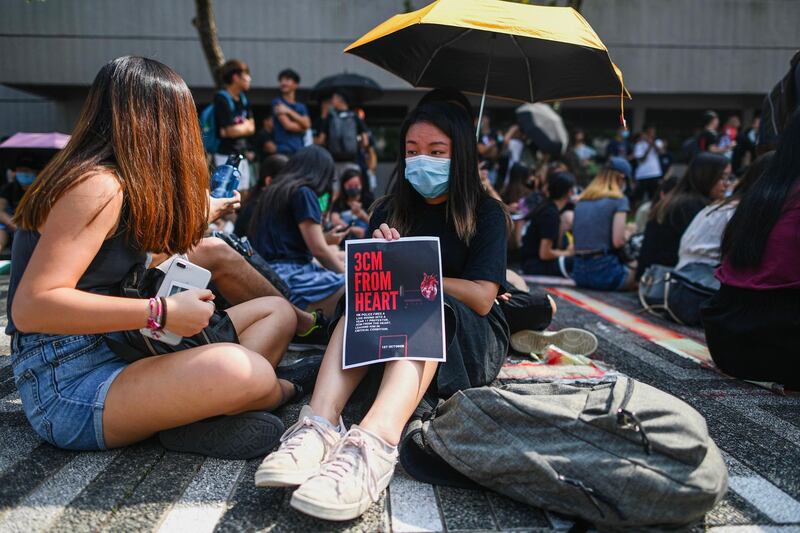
point(620, 146)
point(584, 152)
point(744, 153)
point(290, 117)
point(730, 132)
point(708, 140)
point(490, 145)
point(343, 133)
point(647, 152)
point(235, 123)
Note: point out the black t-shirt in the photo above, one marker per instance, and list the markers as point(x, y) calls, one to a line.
point(662, 241)
point(13, 193)
point(258, 141)
point(225, 116)
point(545, 224)
point(707, 139)
point(485, 256)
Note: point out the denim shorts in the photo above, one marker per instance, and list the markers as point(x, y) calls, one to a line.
point(308, 282)
point(603, 273)
point(63, 381)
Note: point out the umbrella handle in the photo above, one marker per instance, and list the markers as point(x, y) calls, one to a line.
point(485, 86)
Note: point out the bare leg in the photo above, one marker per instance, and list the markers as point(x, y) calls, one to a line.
point(158, 393)
point(4, 238)
point(328, 305)
point(403, 385)
point(334, 385)
point(236, 279)
point(516, 280)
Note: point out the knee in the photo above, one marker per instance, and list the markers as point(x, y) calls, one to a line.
point(280, 309)
point(246, 376)
point(214, 254)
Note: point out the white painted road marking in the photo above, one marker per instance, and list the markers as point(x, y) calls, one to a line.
point(413, 505)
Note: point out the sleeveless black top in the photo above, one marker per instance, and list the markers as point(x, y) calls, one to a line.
point(115, 258)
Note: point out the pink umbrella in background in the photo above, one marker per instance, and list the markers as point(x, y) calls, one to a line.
point(41, 141)
point(40, 147)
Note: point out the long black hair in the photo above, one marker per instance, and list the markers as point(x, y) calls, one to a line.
point(465, 190)
point(517, 186)
point(703, 173)
point(747, 233)
point(310, 167)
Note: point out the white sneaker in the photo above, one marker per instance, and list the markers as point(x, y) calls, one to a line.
point(304, 447)
point(355, 475)
point(571, 340)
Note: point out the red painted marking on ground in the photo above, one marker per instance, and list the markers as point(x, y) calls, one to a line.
point(666, 338)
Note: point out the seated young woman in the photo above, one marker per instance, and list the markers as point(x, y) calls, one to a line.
point(544, 250)
point(705, 182)
point(286, 229)
point(753, 323)
point(436, 191)
point(702, 240)
point(350, 207)
point(599, 231)
point(133, 179)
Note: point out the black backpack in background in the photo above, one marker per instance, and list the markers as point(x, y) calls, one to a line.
point(343, 135)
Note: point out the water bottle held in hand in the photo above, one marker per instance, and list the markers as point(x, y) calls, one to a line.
point(225, 178)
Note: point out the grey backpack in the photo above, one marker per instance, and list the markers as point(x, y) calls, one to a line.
point(619, 455)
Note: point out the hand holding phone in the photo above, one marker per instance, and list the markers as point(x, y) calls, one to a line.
point(189, 311)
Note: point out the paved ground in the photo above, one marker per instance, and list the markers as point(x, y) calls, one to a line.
point(145, 488)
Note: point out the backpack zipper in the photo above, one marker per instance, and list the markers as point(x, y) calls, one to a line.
point(626, 418)
point(593, 496)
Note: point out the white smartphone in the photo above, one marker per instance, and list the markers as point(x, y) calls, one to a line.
point(180, 276)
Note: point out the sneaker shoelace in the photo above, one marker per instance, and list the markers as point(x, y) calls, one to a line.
point(293, 437)
point(346, 456)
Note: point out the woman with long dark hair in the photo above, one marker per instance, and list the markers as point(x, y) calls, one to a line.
point(436, 191)
point(287, 230)
point(705, 182)
point(753, 323)
point(133, 179)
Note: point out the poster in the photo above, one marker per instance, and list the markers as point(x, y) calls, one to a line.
point(394, 305)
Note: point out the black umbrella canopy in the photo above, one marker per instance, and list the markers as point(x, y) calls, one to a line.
point(361, 88)
point(531, 70)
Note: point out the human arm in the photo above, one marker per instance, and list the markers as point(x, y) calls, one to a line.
point(317, 245)
point(5, 218)
point(618, 229)
point(47, 300)
point(219, 207)
point(243, 129)
point(291, 119)
point(548, 253)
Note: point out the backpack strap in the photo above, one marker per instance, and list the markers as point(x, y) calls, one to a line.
point(231, 102)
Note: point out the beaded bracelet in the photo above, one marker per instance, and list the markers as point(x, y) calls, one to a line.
point(153, 324)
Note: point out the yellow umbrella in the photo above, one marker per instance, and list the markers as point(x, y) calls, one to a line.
point(503, 49)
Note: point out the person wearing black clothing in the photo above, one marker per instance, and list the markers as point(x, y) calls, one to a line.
point(436, 191)
point(234, 118)
point(343, 133)
point(708, 140)
point(705, 182)
point(11, 194)
point(263, 143)
point(542, 249)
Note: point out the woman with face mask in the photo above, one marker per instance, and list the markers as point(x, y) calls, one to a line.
point(11, 195)
point(435, 191)
point(350, 208)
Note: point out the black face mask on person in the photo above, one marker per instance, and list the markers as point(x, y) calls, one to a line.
point(352, 192)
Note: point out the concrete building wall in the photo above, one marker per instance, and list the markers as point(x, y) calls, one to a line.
point(675, 54)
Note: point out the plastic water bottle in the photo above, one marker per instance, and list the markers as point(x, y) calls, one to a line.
point(225, 178)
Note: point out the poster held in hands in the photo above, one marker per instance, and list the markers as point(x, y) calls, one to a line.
point(394, 304)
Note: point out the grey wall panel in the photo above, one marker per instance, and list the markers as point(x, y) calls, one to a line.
point(663, 46)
